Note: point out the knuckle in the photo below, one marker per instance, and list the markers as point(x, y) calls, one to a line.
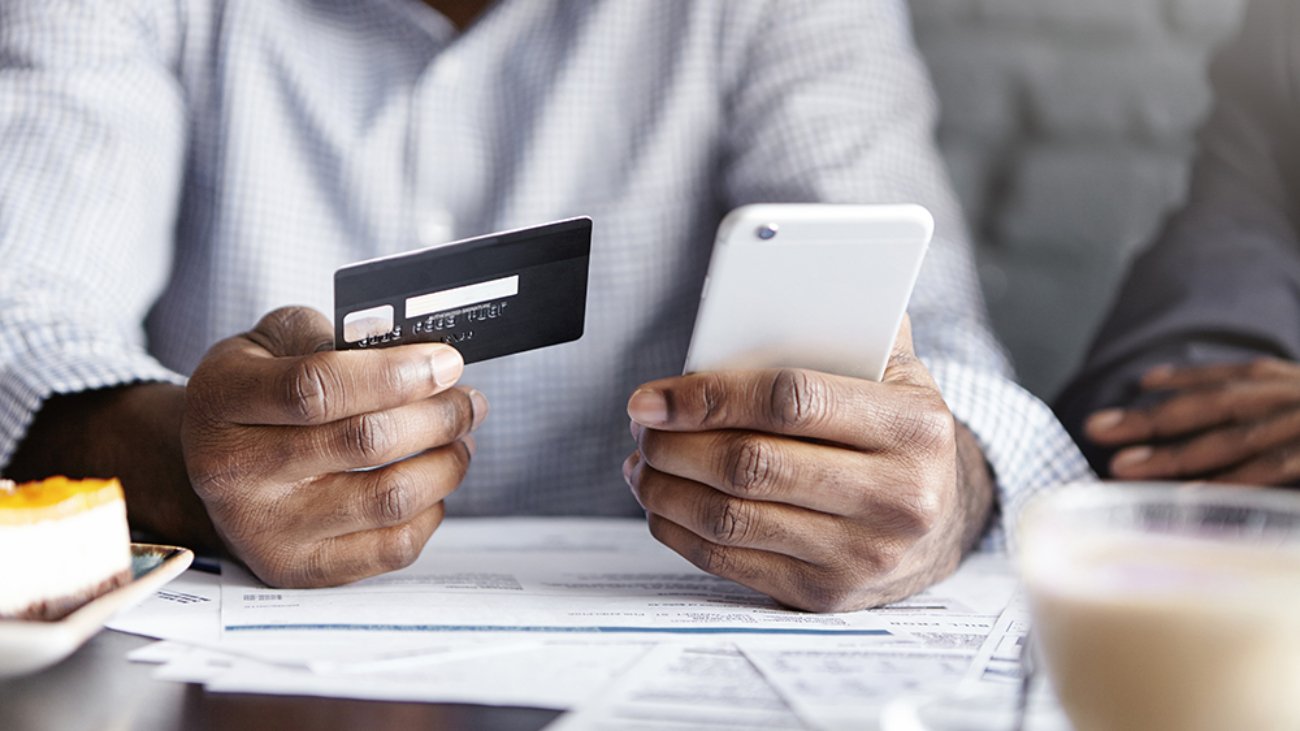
point(455, 460)
point(208, 474)
point(828, 590)
point(712, 402)
point(1176, 460)
point(752, 465)
point(457, 414)
point(287, 319)
point(1251, 436)
point(658, 528)
point(715, 559)
point(208, 393)
point(928, 506)
point(309, 572)
point(1237, 409)
point(370, 437)
point(798, 399)
point(286, 570)
point(646, 484)
point(217, 489)
point(1168, 419)
point(1266, 368)
point(732, 523)
point(1284, 460)
point(831, 599)
point(461, 455)
point(914, 516)
point(305, 393)
point(926, 426)
point(400, 547)
point(887, 558)
point(273, 575)
point(221, 481)
point(399, 375)
point(1161, 414)
point(651, 447)
point(201, 391)
point(1290, 463)
point(395, 497)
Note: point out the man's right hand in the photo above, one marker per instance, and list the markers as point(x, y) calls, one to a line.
point(277, 424)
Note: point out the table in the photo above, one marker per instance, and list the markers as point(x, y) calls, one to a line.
point(98, 689)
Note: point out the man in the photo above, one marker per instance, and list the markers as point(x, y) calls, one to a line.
point(1194, 374)
point(171, 172)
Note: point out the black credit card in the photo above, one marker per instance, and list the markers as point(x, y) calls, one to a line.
point(489, 296)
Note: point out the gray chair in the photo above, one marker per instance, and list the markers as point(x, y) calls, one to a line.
point(1067, 126)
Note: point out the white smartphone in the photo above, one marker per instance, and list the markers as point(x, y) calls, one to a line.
point(815, 286)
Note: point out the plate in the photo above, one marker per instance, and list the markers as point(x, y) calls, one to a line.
point(27, 646)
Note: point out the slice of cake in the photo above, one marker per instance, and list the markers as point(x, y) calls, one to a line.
point(62, 543)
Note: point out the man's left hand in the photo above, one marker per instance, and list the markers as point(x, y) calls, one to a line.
point(827, 493)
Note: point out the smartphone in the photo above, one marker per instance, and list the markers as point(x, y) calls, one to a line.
point(815, 286)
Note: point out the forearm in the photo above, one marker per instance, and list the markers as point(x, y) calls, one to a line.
point(132, 433)
point(977, 490)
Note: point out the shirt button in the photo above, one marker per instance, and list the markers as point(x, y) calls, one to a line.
point(436, 228)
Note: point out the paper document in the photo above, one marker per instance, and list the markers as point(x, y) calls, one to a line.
point(556, 673)
point(532, 575)
point(679, 687)
point(585, 614)
point(833, 687)
point(998, 660)
point(845, 683)
point(187, 609)
point(982, 585)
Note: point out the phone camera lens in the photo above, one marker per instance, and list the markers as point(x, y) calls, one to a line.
point(767, 231)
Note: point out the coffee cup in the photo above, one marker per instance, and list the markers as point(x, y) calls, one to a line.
point(1165, 606)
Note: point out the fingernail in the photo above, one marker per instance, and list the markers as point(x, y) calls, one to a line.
point(628, 465)
point(1131, 457)
point(636, 432)
point(648, 407)
point(479, 403)
point(470, 444)
point(1105, 420)
point(447, 366)
point(1158, 374)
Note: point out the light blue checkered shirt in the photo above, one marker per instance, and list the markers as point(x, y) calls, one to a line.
point(172, 170)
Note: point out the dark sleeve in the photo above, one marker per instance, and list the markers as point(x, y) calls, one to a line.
point(1222, 282)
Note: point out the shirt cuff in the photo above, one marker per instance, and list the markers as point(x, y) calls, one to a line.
point(1025, 445)
point(28, 378)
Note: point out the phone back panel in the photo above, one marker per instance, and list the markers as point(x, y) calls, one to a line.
point(822, 287)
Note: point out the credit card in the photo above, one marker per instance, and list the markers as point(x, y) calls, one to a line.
point(488, 296)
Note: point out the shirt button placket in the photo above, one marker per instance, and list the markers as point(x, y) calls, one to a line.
point(435, 222)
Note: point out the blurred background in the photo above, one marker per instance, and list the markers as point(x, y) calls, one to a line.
point(1068, 126)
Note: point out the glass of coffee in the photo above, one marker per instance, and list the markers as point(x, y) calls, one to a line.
point(1161, 606)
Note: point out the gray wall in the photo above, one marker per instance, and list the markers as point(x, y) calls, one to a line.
point(1068, 126)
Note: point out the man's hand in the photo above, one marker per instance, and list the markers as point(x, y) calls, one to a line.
point(826, 493)
point(275, 423)
point(1236, 423)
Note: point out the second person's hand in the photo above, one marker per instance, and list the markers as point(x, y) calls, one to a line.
point(1237, 423)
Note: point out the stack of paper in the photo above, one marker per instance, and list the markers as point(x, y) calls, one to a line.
point(588, 615)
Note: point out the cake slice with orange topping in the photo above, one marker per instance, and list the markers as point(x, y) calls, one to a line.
point(62, 543)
